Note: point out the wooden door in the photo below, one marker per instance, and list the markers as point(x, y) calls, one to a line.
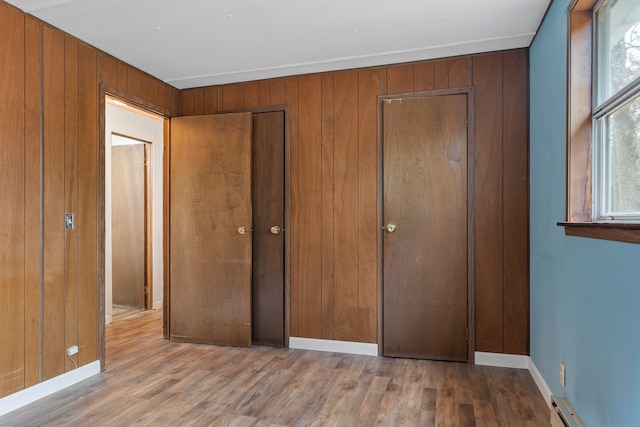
point(268, 228)
point(128, 225)
point(425, 264)
point(209, 250)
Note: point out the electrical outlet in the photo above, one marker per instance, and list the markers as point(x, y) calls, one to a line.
point(562, 374)
point(72, 350)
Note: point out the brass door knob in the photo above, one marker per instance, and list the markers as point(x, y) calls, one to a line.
point(391, 228)
point(275, 230)
point(243, 230)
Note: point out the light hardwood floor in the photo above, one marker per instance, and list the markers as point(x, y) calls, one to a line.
point(154, 382)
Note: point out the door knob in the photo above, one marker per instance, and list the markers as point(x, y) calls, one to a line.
point(391, 228)
point(243, 230)
point(275, 230)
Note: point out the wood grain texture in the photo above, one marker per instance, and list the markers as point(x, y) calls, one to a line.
point(33, 193)
point(210, 199)
point(425, 277)
point(423, 76)
point(345, 201)
point(251, 95)
point(53, 350)
point(52, 81)
point(350, 115)
point(191, 384)
point(400, 79)
point(12, 201)
point(487, 81)
point(309, 212)
point(368, 91)
point(232, 97)
point(295, 201)
point(127, 225)
point(515, 203)
point(89, 229)
point(326, 239)
point(268, 256)
point(71, 167)
point(108, 70)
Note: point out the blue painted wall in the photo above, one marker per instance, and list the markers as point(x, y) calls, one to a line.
point(585, 293)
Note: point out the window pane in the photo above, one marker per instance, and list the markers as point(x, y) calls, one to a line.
point(618, 46)
point(621, 185)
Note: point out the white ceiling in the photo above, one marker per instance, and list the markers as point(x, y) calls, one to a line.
point(191, 43)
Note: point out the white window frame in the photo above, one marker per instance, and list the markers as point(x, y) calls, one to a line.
point(602, 110)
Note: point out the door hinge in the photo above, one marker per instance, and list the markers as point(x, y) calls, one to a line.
point(467, 334)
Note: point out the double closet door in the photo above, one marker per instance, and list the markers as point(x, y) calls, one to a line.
point(226, 229)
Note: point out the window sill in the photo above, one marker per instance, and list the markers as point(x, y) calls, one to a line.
point(620, 232)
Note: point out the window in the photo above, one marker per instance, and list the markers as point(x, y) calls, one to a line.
point(616, 112)
point(603, 111)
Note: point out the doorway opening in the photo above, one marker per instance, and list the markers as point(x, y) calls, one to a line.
point(134, 145)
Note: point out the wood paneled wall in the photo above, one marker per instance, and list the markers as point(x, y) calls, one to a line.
point(50, 165)
point(334, 198)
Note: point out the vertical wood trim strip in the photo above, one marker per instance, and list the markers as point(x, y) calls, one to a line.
point(515, 203)
point(489, 303)
point(294, 230)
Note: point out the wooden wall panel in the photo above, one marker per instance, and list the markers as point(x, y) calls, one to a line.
point(333, 169)
point(210, 102)
point(89, 229)
point(368, 90)
point(278, 91)
point(345, 201)
point(423, 76)
point(123, 77)
point(232, 97)
point(400, 79)
point(71, 195)
point(293, 227)
point(459, 72)
point(134, 82)
point(53, 350)
point(441, 74)
point(150, 89)
point(12, 225)
point(309, 207)
point(251, 95)
point(488, 265)
point(33, 193)
point(51, 164)
point(108, 70)
point(516, 203)
point(327, 188)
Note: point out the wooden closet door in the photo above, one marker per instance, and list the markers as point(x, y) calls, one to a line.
point(425, 257)
point(268, 228)
point(128, 225)
point(209, 229)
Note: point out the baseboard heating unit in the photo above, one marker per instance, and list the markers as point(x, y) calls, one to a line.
point(562, 414)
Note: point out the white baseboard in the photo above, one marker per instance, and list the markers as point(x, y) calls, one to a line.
point(502, 360)
point(348, 347)
point(540, 382)
point(518, 362)
point(44, 389)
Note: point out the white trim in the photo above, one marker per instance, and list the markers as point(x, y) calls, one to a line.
point(349, 347)
point(519, 362)
point(502, 360)
point(44, 389)
point(540, 382)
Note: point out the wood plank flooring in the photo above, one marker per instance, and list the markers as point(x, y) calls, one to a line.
point(153, 382)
